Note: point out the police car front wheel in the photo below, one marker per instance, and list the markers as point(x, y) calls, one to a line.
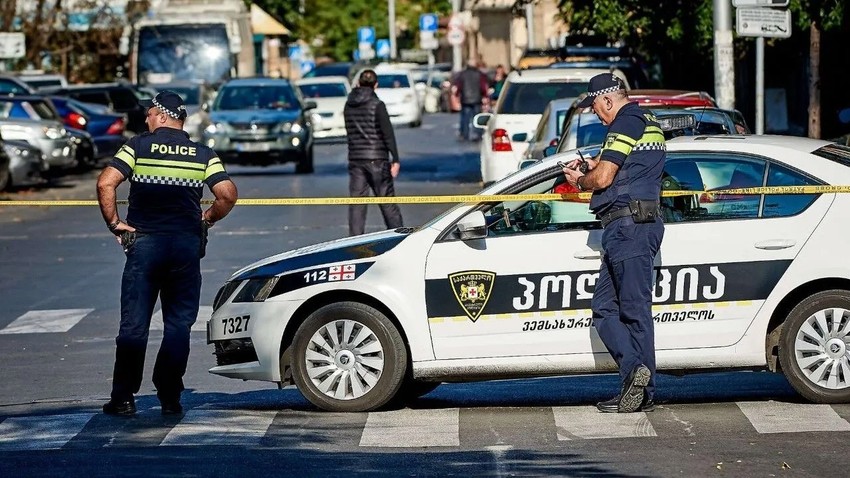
point(348, 357)
point(815, 347)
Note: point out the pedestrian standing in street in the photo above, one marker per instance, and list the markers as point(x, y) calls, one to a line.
point(626, 182)
point(373, 160)
point(471, 85)
point(164, 238)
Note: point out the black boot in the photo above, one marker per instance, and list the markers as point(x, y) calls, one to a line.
point(609, 406)
point(632, 396)
point(120, 408)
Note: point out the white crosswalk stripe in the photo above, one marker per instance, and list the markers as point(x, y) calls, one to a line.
point(575, 423)
point(200, 325)
point(412, 428)
point(777, 417)
point(40, 432)
point(46, 321)
point(220, 427)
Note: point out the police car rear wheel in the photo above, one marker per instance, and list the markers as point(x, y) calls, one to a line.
point(815, 347)
point(348, 357)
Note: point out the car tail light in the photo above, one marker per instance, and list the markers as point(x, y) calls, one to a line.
point(75, 120)
point(567, 188)
point(116, 128)
point(501, 141)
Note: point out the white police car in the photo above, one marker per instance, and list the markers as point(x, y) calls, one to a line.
point(497, 290)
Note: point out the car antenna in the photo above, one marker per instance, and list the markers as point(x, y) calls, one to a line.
point(699, 120)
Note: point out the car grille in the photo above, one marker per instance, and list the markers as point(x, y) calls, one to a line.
point(250, 128)
point(231, 352)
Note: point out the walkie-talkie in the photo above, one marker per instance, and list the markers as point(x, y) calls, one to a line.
point(583, 164)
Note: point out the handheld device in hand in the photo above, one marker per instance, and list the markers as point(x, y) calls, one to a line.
point(582, 165)
point(562, 164)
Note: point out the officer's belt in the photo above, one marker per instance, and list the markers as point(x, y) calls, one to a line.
point(607, 218)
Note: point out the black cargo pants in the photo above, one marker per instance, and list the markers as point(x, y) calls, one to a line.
point(375, 175)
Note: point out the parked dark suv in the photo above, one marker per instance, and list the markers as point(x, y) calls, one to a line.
point(119, 97)
point(261, 121)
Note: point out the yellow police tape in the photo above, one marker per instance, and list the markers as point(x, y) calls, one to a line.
point(465, 198)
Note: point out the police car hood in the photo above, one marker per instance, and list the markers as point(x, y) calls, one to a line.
point(254, 116)
point(340, 250)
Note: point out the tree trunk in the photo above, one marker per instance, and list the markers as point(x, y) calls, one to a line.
point(814, 80)
point(7, 14)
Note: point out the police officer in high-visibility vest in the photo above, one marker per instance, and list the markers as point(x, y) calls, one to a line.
point(626, 182)
point(164, 238)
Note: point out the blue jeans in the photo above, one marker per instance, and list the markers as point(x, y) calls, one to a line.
point(622, 300)
point(467, 112)
point(166, 266)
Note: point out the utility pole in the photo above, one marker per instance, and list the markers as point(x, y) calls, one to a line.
point(391, 11)
point(529, 23)
point(457, 56)
point(724, 55)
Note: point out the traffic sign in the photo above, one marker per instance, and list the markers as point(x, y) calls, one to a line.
point(366, 51)
point(366, 35)
point(382, 48)
point(760, 3)
point(427, 40)
point(307, 66)
point(295, 52)
point(428, 22)
point(12, 45)
point(455, 36)
point(763, 22)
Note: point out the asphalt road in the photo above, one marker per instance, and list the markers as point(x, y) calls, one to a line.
point(56, 373)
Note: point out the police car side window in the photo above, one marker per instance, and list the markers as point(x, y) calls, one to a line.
point(711, 173)
point(780, 205)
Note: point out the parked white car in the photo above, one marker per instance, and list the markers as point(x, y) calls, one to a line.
point(502, 289)
point(518, 110)
point(396, 90)
point(330, 94)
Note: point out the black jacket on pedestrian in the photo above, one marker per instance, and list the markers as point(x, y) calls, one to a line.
point(370, 133)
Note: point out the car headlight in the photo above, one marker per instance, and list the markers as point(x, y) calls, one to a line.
point(54, 133)
point(214, 128)
point(256, 290)
point(293, 127)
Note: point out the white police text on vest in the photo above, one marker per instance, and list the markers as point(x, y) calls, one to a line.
point(173, 149)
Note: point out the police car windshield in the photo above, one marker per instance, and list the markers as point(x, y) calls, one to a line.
point(191, 94)
point(252, 97)
point(532, 98)
point(323, 90)
point(393, 81)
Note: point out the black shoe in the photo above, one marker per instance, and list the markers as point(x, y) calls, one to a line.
point(647, 406)
point(126, 408)
point(609, 406)
point(632, 395)
point(172, 408)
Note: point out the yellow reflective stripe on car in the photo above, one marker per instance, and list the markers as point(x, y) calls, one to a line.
point(126, 155)
point(213, 167)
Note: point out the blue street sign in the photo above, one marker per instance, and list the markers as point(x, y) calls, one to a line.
point(295, 52)
point(383, 48)
point(356, 55)
point(365, 35)
point(307, 66)
point(428, 22)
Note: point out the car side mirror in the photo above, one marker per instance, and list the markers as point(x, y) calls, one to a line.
point(472, 226)
point(519, 137)
point(480, 120)
point(310, 105)
point(549, 151)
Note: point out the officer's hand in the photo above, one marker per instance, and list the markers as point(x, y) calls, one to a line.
point(394, 168)
point(572, 176)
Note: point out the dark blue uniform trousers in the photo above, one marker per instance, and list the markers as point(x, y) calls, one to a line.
point(622, 301)
point(168, 267)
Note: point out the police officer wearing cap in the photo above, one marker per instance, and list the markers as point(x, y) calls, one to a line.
point(164, 238)
point(626, 182)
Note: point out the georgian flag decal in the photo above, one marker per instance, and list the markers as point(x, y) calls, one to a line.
point(341, 273)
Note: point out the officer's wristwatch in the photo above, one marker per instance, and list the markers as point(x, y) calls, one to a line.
point(578, 183)
point(113, 228)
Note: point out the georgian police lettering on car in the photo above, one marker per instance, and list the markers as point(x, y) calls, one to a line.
point(698, 286)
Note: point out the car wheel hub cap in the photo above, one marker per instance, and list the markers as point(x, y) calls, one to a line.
point(821, 348)
point(344, 359)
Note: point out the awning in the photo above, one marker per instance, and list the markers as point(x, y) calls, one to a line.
point(264, 24)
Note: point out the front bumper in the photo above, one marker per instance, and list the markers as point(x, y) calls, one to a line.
point(269, 148)
point(60, 153)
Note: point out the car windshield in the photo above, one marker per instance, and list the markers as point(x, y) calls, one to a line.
point(184, 52)
point(328, 70)
point(252, 97)
point(323, 90)
point(393, 81)
point(590, 130)
point(532, 98)
point(31, 110)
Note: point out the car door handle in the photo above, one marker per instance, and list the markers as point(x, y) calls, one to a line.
point(588, 254)
point(775, 244)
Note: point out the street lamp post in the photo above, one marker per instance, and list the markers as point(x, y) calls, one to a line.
point(391, 12)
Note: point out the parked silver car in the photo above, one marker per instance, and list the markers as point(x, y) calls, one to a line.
point(26, 164)
point(549, 128)
point(32, 119)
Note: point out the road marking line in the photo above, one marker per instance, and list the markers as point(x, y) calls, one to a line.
point(576, 423)
point(412, 428)
point(46, 321)
point(41, 432)
point(220, 427)
point(200, 325)
point(777, 417)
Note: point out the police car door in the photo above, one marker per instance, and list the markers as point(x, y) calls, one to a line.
point(723, 254)
point(524, 289)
